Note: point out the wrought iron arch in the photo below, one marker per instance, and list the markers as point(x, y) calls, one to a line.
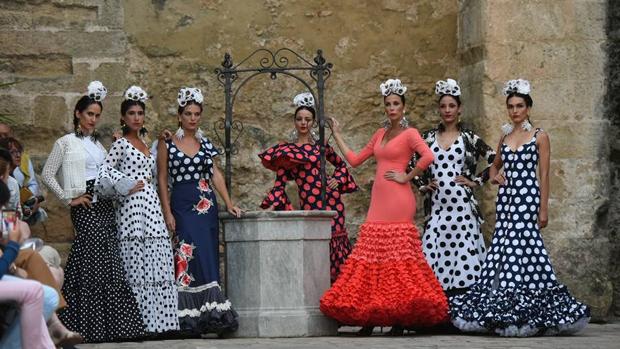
point(272, 63)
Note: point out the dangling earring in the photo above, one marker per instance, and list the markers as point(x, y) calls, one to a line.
point(95, 135)
point(507, 129)
point(180, 133)
point(293, 136)
point(143, 131)
point(124, 127)
point(199, 134)
point(526, 125)
point(404, 123)
point(78, 131)
point(314, 136)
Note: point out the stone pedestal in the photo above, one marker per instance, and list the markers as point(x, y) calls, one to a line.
point(277, 269)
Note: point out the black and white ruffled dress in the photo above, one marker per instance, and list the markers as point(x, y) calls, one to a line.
point(518, 293)
point(145, 247)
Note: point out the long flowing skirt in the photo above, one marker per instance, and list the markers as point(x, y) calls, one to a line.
point(203, 307)
point(101, 305)
point(386, 281)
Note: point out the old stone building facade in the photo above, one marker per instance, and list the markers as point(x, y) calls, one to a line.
point(567, 48)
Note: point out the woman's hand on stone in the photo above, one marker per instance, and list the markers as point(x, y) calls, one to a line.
point(234, 210)
point(499, 179)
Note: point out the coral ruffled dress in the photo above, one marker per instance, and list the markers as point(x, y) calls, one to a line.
point(386, 280)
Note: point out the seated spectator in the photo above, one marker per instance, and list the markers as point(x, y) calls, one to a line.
point(36, 301)
point(23, 172)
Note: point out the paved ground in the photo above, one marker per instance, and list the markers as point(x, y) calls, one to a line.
point(593, 337)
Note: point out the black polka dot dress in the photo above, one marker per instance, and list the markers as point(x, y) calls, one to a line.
point(518, 293)
point(145, 247)
point(453, 244)
point(101, 306)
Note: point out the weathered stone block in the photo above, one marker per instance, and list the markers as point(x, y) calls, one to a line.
point(36, 66)
point(17, 108)
point(277, 270)
point(51, 112)
point(74, 43)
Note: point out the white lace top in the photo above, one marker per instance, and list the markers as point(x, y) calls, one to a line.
point(76, 162)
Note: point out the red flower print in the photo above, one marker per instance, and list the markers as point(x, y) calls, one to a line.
point(185, 280)
point(203, 186)
point(180, 265)
point(203, 205)
point(187, 250)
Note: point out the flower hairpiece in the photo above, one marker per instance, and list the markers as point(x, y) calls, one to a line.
point(448, 87)
point(97, 91)
point(305, 99)
point(136, 93)
point(392, 86)
point(517, 86)
point(187, 94)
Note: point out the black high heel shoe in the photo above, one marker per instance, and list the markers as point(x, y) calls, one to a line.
point(396, 331)
point(366, 331)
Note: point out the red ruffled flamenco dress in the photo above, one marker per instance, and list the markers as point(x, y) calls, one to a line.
point(301, 163)
point(386, 280)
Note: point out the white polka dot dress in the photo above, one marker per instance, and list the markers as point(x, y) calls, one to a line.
point(452, 242)
point(518, 294)
point(145, 246)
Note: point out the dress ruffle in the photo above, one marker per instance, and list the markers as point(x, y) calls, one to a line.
point(519, 312)
point(205, 309)
point(277, 197)
point(386, 281)
point(285, 155)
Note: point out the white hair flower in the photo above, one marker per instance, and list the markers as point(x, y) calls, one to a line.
point(97, 91)
point(305, 99)
point(392, 86)
point(517, 86)
point(187, 94)
point(136, 93)
point(448, 87)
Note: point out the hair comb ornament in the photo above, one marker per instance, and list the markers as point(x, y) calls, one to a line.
point(392, 86)
point(187, 94)
point(304, 99)
point(136, 93)
point(97, 91)
point(448, 87)
point(520, 86)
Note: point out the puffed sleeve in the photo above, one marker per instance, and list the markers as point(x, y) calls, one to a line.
point(112, 182)
point(417, 144)
point(357, 159)
point(346, 183)
point(277, 195)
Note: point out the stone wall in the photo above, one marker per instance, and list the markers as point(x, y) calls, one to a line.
point(55, 47)
point(609, 217)
point(560, 47)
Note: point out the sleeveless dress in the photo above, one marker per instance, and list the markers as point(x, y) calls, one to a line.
point(452, 242)
point(145, 247)
point(301, 163)
point(518, 293)
point(386, 280)
point(202, 306)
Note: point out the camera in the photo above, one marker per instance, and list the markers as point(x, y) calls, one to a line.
point(31, 201)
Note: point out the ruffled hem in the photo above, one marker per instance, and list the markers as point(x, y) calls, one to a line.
point(386, 281)
point(285, 155)
point(519, 312)
point(205, 309)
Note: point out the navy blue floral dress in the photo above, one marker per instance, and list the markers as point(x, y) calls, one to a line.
point(518, 293)
point(203, 307)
